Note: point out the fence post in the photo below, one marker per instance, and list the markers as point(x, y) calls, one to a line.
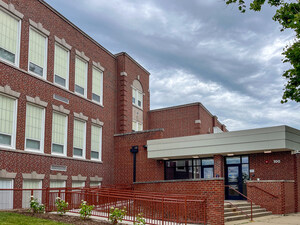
point(47, 205)
point(162, 211)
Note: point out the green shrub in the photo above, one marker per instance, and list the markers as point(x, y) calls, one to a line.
point(61, 206)
point(116, 215)
point(85, 210)
point(140, 220)
point(35, 206)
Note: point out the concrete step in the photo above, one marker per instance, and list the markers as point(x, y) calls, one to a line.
point(241, 217)
point(232, 209)
point(237, 204)
point(238, 212)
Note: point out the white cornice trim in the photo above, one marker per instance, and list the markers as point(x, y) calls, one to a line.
point(11, 8)
point(36, 101)
point(81, 116)
point(33, 176)
point(58, 176)
point(39, 27)
point(97, 122)
point(96, 178)
point(61, 109)
point(98, 65)
point(63, 42)
point(82, 55)
point(7, 175)
point(7, 90)
point(79, 178)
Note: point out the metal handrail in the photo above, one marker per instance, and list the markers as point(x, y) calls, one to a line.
point(274, 196)
point(251, 215)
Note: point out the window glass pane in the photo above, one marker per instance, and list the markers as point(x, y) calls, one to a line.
point(59, 122)
point(58, 148)
point(140, 99)
point(207, 162)
point(36, 69)
point(245, 159)
point(57, 184)
point(32, 144)
point(80, 75)
point(34, 122)
point(96, 141)
point(245, 171)
point(7, 107)
point(8, 36)
point(5, 139)
point(77, 152)
point(7, 55)
point(140, 126)
point(95, 183)
point(61, 64)
point(97, 82)
point(79, 134)
point(94, 155)
point(208, 172)
point(233, 160)
point(37, 51)
point(59, 80)
point(96, 97)
point(78, 184)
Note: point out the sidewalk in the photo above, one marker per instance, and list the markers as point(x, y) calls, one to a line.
point(291, 219)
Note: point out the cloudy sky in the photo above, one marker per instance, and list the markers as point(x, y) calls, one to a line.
point(197, 51)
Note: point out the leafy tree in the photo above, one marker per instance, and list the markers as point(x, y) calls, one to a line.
point(288, 16)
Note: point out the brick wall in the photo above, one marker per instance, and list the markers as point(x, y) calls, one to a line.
point(276, 196)
point(211, 190)
point(146, 169)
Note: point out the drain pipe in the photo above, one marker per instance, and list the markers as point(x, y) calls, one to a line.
point(134, 150)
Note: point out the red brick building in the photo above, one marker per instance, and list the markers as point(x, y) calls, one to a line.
point(72, 114)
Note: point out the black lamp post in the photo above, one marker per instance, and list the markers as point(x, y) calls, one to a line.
point(134, 150)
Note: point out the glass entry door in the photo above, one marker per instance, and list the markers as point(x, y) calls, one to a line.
point(236, 174)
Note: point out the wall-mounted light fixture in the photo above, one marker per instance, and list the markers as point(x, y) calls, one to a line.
point(230, 154)
point(267, 152)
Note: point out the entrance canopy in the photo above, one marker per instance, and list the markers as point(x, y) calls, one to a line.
point(275, 139)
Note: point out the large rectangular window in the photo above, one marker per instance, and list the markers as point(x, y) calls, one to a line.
point(37, 63)
point(137, 98)
point(9, 38)
point(26, 195)
point(61, 66)
point(79, 139)
point(189, 169)
point(137, 126)
point(34, 128)
point(7, 121)
point(59, 133)
point(97, 86)
point(80, 76)
point(96, 142)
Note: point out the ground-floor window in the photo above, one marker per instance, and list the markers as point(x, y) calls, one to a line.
point(95, 183)
point(78, 184)
point(189, 169)
point(37, 194)
point(6, 197)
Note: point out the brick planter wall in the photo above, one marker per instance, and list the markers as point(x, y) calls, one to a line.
point(210, 189)
point(283, 203)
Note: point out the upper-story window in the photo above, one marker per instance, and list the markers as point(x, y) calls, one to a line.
point(137, 94)
point(81, 68)
point(34, 131)
point(137, 126)
point(97, 88)
point(61, 66)
point(9, 37)
point(59, 133)
point(8, 117)
point(37, 53)
point(96, 144)
point(79, 138)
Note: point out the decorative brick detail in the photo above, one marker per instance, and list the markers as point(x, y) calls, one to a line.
point(60, 109)
point(7, 90)
point(63, 42)
point(11, 8)
point(82, 55)
point(79, 178)
point(58, 176)
point(80, 116)
point(96, 178)
point(97, 122)
point(33, 176)
point(36, 101)
point(6, 175)
point(98, 65)
point(39, 27)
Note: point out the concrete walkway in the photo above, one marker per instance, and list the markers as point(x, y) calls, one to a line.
point(273, 219)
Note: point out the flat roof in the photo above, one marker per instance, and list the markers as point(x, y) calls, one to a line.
point(279, 138)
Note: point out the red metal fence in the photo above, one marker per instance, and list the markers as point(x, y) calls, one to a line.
point(157, 208)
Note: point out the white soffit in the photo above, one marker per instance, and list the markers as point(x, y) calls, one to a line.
point(280, 138)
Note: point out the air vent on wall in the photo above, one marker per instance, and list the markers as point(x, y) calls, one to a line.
point(58, 168)
point(60, 98)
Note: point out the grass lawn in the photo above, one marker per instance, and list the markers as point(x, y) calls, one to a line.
point(7, 218)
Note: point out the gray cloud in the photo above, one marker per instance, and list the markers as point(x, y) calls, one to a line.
point(197, 51)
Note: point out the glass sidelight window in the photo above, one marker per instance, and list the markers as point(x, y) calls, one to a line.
point(189, 169)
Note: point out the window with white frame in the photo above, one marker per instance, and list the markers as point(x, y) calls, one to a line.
point(34, 131)
point(7, 121)
point(137, 126)
point(59, 133)
point(81, 76)
point(57, 183)
point(26, 195)
point(78, 184)
point(37, 62)
point(79, 139)
point(9, 38)
point(137, 98)
point(97, 88)
point(96, 144)
point(61, 66)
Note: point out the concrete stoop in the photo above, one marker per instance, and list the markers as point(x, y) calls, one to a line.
point(233, 212)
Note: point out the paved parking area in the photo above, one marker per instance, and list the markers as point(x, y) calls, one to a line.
point(273, 219)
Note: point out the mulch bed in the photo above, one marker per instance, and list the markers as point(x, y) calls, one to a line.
point(64, 219)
